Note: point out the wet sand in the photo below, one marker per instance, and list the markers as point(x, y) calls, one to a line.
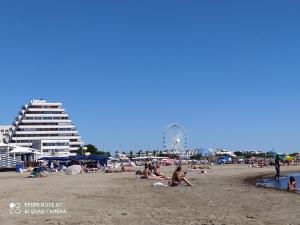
point(223, 196)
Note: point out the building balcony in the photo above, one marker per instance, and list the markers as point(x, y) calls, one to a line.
point(43, 148)
point(45, 109)
point(76, 143)
point(48, 132)
point(73, 149)
point(46, 137)
point(45, 104)
point(46, 115)
point(45, 126)
point(47, 121)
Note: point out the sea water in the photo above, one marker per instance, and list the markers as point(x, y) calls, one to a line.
point(281, 184)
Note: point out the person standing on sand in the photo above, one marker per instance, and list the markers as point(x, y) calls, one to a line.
point(277, 167)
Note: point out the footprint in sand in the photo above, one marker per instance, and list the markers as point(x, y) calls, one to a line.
point(211, 203)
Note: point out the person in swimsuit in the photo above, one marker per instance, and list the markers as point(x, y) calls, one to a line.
point(148, 175)
point(36, 172)
point(277, 168)
point(292, 184)
point(158, 173)
point(146, 172)
point(177, 178)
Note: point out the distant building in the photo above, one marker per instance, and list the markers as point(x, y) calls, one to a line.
point(204, 152)
point(190, 152)
point(4, 131)
point(45, 125)
point(256, 152)
point(223, 152)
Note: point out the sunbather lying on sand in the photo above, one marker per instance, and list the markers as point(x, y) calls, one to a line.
point(158, 173)
point(194, 167)
point(113, 170)
point(148, 175)
point(36, 173)
point(177, 178)
point(202, 171)
point(127, 169)
point(123, 169)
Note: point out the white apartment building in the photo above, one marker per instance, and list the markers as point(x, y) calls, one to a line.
point(52, 147)
point(48, 123)
point(4, 130)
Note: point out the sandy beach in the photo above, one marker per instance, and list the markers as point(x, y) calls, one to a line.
point(223, 196)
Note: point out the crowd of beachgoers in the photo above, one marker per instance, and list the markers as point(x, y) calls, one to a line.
point(150, 170)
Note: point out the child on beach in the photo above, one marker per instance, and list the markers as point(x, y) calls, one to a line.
point(291, 184)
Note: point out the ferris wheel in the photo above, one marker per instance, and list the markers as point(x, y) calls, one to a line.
point(175, 139)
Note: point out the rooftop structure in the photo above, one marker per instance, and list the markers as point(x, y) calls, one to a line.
point(223, 152)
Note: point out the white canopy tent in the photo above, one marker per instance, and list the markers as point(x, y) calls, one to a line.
point(20, 150)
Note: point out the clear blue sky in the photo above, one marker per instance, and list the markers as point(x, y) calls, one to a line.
point(228, 71)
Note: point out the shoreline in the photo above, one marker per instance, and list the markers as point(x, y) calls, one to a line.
point(252, 180)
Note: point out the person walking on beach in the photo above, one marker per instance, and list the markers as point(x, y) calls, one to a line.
point(277, 167)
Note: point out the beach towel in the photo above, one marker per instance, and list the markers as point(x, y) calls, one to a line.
point(159, 184)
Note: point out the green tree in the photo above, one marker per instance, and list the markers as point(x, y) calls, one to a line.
point(131, 154)
point(238, 153)
point(101, 153)
point(91, 148)
point(79, 151)
point(262, 155)
point(147, 153)
point(154, 153)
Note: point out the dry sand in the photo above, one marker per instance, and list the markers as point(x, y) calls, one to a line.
point(220, 197)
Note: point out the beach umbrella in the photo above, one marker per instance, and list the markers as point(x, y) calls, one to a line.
point(4, 145)
point(20, 150)
point(288, 158)
point(37, 153)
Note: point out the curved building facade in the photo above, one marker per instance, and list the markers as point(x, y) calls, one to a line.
point(45, 126)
